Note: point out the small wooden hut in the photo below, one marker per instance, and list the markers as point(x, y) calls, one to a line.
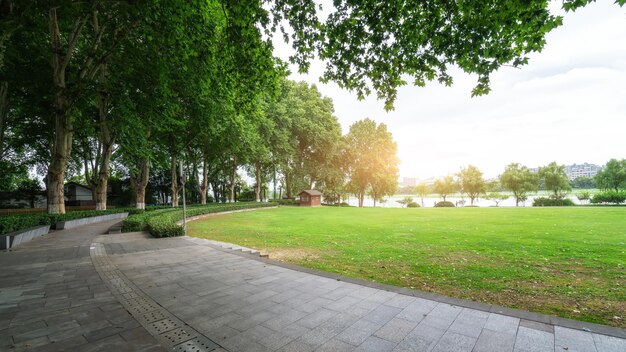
point(310, 198)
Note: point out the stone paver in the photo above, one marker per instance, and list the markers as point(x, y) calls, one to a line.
point(51, 292)
point(52, 299)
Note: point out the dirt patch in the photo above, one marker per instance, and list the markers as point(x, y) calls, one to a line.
point(292, 254)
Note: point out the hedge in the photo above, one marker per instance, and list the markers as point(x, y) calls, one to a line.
point(609, 197)
point(551, 202)
point(11, 223)
point(165, 224)
point(139, 222)
point(444, 204)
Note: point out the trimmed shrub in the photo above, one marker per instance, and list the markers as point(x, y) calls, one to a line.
point(551, 202)
point(412, 205)
point(164, 224)
point(11, 223)
point(609, 197)
point(288, 202)
point(444, 204)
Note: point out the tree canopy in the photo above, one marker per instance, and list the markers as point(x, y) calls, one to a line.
point(96, 87)
point(519, 180)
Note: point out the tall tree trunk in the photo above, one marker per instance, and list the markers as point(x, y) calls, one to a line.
point(63, 126)
point(257, 189)
point(174, 181)
point(107, 140)
point(288, 192)
point(204, 186)
point(231, 196)
point(139, 181)
point(4, 110)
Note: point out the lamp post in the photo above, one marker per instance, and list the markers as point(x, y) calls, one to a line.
point(182, 180)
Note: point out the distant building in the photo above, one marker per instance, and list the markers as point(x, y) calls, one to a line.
point(575, 171)
point(581, 170)
point(408, 182)
point(78, 195)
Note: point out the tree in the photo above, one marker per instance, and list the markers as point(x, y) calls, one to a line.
point(583, 182)
point(519, 180)
point(422, 190)
point(372, 160)
point(613, 175)
point(405, 201)
point(445, 186)
point(497, 197)
point(471, 182)
point(555, 179)
point(583, 196)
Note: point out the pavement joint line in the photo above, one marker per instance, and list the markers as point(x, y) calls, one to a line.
point(171, 332)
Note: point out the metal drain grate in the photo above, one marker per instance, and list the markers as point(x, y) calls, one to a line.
point(165, 327)
point(153, 316)
point(176, 336)
point(142, 309)
point(199, 344)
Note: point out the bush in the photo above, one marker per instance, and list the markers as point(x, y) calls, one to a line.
point(412, 205)
point(165, 224)
point(13, 223)
point(606, 197)
point(289, 201)
point(138, 222)
point(552, 202)
point(444, 204)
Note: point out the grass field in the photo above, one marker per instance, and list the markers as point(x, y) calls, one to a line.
point(563, 261)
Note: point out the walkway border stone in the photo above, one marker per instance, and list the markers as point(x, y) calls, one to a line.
point(69, 224)
point(171, 332)
point(491, 308)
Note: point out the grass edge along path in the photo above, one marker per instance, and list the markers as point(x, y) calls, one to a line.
point(567, 262)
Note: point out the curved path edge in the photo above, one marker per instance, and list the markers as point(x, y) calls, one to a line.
point(171, 332)
point(465, 303)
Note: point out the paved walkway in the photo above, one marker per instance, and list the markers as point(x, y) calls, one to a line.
point(77, 290)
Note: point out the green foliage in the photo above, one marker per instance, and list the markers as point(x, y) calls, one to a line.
point(12, 223)
point(583, 196)
point(405, 201)
point(519, 180)
point(613, 175)
point(609, 197)
point(288, 202)
point(445, 186)
point(583, 183)
point(471, 182)
point(555, 179)
point(412, 205)
point(496, 197)
point(372, 160)
point(21, 222)
point(444, 204)
point(164, 224)
point(552, 202)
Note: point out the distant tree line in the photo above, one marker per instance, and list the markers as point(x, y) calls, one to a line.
point(521, 181)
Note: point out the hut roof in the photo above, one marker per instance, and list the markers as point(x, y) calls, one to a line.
point(311, 192)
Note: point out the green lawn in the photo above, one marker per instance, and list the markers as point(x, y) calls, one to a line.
point(564, 261)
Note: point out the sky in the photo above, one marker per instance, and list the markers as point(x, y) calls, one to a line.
point(567, 105)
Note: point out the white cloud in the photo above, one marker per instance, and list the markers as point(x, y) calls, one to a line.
point(568, 105)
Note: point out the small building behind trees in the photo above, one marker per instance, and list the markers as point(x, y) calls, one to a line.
point(310, 198)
